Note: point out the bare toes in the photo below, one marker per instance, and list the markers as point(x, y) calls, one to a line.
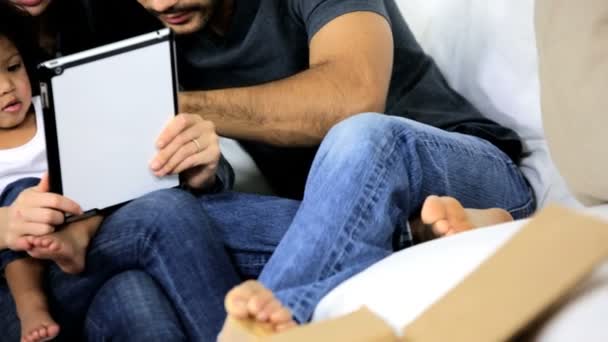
point(259, 301)
point(441, 227)
point(281, 316)
point(53, 330)
point(266, 313)
point(433, 210)
point(34, 336)
point(237, 299)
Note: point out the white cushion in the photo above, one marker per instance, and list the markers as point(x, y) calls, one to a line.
point(401, 287)
point(487, 51)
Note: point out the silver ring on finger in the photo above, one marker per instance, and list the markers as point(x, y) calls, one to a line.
point(198, 145)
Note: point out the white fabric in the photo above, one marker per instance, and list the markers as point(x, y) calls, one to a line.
point(487, 51)
point(27, 160)
point(402, 286)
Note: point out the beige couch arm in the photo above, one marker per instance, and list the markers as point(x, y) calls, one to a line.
point(573, 55)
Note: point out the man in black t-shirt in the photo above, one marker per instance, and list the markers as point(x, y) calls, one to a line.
point(277, 75)
point(282, 76)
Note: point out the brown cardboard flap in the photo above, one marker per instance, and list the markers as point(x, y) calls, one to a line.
point(359, 326)
point(532, 271)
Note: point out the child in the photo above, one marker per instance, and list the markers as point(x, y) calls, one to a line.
point(34, 211)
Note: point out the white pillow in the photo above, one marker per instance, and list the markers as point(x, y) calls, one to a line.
point(402, 286)
point(487, 51)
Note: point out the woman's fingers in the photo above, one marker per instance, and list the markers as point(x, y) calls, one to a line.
point(33, 199)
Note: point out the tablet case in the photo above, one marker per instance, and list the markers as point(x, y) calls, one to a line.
point(103, 111)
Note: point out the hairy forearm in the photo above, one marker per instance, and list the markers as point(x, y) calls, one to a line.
point(296, 111)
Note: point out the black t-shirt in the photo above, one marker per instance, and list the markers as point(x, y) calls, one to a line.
point(269, 41)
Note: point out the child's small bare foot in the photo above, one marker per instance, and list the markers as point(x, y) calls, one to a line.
point(252, 300)
point(37, 324)
point(67, 248)
point(446, 216)
point(42, 330)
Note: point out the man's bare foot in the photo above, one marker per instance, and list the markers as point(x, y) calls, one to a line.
point(67, 248)
point(252, 300)
point(444, 216)
point(36, 322)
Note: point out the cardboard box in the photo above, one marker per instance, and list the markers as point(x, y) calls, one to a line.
point(511, 290)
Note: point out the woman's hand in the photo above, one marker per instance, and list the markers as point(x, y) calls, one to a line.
point(35, 212)
point(188, 145)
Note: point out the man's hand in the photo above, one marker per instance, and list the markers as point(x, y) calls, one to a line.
point(188, 144)
point(36, 212)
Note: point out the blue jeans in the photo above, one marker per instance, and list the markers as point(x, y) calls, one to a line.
point(371, 173)
point(132, 307)
point(129, 307)
point(165, 234)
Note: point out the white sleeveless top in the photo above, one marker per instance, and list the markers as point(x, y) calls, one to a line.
point(28, 160)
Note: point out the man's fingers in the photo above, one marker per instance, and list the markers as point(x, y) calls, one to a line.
point(177, 150)
point(177, 125)
point(208, 157)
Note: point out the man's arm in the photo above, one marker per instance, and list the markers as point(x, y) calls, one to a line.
point(351, 62)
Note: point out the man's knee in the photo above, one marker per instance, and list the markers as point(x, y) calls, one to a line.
point(168, 200)
point(174, 210)
point(364, 133)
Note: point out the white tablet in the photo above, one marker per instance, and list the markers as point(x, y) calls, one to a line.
point(103, 111)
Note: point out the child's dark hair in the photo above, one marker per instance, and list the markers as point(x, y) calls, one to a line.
point(20, 29)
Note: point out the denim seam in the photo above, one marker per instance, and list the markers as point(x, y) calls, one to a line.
point(523, 210)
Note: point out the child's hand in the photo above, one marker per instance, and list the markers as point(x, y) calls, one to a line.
point(36, 212)
point(190, 145)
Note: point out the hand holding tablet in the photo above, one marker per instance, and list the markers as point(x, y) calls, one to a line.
point(104, 110)
point(188, 144)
